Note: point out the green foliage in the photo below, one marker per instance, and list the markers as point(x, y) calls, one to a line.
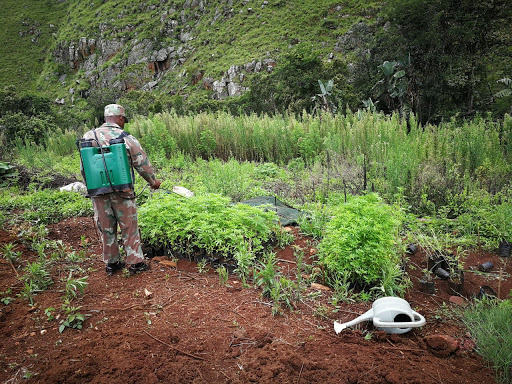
point(230, 178)
point(223, 274)
point(5, 299)
point(490, 326)
point(392, 86)
point(49, 312)
point(37, 276)
point(9, 254)
point(430, 165)
point(73, 319)
point(294, 83)
point(314, 221)
point(74, 287)
point(7, 173)
point(267, 274)
point(362, 240)
point(206, 223)
point(47, 206)
point(452, 45)
point(156, 139)
point(27, 118)
point(26, 36)
point(273, 284)
point(507, 91)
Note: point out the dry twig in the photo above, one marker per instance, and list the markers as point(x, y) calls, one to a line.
point(174, 348)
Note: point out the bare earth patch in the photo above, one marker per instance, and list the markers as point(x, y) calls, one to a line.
point(176, 325)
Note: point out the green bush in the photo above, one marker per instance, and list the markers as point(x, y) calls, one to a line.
point(157, 139)
point(47, 206)
point(208, 223)
point(361, 241)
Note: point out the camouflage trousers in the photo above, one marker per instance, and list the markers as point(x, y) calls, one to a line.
point(110, 211)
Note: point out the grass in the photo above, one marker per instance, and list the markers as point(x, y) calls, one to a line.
point(491, 328)
point(26, 38)
point(315, 164)
point(222, 36)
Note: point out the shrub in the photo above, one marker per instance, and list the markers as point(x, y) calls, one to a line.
point(47, 206)
point(207, 223)
point(361, 241)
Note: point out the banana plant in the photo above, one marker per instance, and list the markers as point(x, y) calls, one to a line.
point(392, 86)
point(507, 91)
point(322, 99)
point(7, 172)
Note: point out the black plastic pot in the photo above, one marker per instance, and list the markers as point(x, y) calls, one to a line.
point(442, 273)
point(505, 249)
point(456, 281)
point(437, 261)
point(428, 286)
point(412, 248)
point(485, 267)
point(486, 292)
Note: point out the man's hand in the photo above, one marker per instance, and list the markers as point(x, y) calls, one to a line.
point(157, 184)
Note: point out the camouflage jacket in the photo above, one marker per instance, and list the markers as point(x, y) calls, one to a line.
point(137, 156)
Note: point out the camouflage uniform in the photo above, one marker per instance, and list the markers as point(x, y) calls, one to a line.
point(111, 209)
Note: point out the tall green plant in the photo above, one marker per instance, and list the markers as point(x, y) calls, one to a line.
point(362, 241)
point(206, 223)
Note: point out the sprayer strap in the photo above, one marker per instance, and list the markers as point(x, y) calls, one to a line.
point(123, 135)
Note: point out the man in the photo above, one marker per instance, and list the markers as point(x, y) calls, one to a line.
point(119, 208)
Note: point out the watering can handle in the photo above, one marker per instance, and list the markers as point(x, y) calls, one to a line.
point(401, 324)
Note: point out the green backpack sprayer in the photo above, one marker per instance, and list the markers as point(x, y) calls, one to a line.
point(105, 169)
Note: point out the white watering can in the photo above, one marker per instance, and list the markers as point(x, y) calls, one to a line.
point(391, 314)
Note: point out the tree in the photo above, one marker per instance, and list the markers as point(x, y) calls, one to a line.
point(293, 82)
point(450, 43)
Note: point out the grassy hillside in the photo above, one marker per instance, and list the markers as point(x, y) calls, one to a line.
point(177, 54)
point(224, 33)
point(25, 36)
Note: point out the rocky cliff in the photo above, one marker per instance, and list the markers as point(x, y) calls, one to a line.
point(173, 46)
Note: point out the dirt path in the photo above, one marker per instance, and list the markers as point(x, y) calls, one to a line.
point(176, 325)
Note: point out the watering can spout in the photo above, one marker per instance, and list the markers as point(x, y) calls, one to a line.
point(338, 327)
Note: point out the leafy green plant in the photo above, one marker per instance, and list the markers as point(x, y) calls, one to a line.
point(361, 241)
point(490, 326)
point(284, 237)
point(50, 313)
point(322, 100)
point(7, 173)
point(207, 223)
point(27, 292)
point(73, 319)
point(10, 254)
point(244, 257)
point(314, 221)
point(5, 298)
point(38, 276)
point(506, 91)
point(274, 285)
point(266, 274)
point(48, 206)
point(281, 293)
point(202, 266)
point(75, 286)
point(223, 274)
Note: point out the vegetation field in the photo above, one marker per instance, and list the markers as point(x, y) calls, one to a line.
point(384, 203)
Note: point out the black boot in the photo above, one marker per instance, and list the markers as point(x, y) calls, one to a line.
point(139, 267)
point(112, 268)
